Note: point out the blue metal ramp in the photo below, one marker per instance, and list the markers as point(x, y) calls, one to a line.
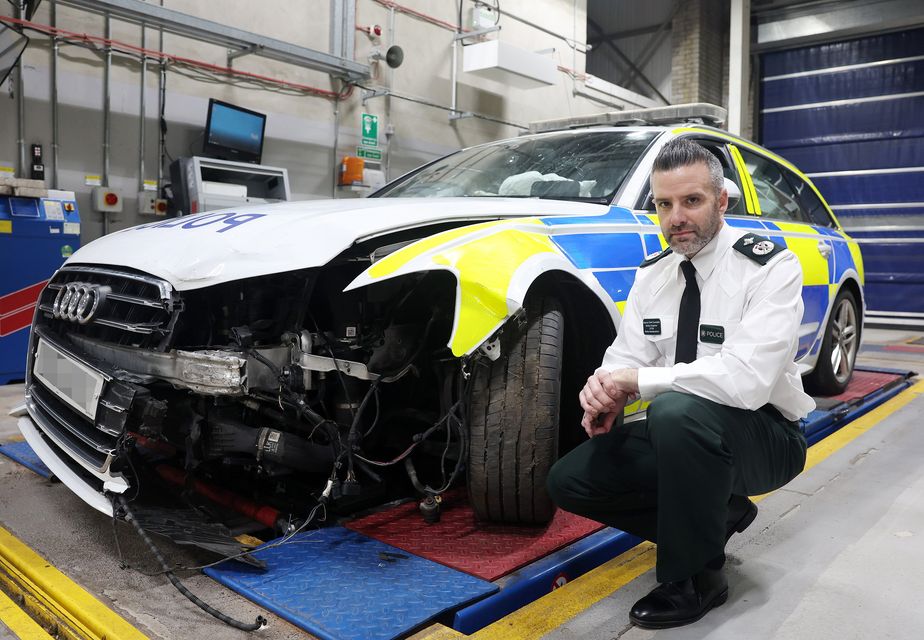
point(22, 453)
point(341, 585)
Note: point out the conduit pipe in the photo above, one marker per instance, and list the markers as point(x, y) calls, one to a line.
point(144, 74)
point(21, 107)
point(107, 72)
point(55, 46)
point(161, 98)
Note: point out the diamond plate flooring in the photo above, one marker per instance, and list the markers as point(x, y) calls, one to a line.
point(338, 584)
point(458, 540)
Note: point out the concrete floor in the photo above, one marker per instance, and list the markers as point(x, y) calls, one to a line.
point(835, 554)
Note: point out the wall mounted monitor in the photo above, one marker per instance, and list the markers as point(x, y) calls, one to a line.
point(233, 133)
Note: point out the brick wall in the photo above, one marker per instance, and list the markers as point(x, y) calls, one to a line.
point(700, 52)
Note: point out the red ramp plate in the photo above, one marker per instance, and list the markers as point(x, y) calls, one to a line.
point(487, 551)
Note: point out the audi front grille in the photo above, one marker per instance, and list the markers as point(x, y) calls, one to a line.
point(125, 308)
point(118, 307)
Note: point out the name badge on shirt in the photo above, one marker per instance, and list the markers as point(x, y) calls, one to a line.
point(651, 326)
point(712, 333)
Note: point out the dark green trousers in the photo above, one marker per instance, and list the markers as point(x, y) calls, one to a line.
point(669, 478)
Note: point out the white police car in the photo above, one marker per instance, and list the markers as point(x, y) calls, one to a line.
point(356, 351)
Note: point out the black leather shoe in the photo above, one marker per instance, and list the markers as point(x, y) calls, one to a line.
point(674, 604)
point(741, 513)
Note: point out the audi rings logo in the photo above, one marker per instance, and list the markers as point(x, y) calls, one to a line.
point(79, 302)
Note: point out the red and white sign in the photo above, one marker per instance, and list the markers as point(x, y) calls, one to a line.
point(18, 307)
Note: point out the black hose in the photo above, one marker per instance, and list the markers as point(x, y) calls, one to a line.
point(259, 623)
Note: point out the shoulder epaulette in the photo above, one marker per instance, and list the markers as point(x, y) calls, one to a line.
point(758, 248)
point(650, 260)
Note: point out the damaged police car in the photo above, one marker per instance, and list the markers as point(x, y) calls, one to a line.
point(352, 352)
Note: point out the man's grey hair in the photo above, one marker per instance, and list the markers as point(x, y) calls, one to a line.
point(683, 152)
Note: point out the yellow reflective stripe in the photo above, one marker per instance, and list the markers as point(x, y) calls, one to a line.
point(485, 267)
point(392, 262)
point(743, 173)
point(750, 193)
point(814, 265)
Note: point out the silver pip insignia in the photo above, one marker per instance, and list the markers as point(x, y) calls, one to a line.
point(762, 248)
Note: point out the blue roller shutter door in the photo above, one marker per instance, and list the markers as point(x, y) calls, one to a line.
point(851, 115)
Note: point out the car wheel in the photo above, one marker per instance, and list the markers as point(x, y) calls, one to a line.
point(838, 348)
point(514, 420)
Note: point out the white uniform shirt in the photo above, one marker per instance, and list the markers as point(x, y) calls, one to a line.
point(758, 309)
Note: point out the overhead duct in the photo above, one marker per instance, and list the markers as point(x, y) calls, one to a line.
point(512, 66)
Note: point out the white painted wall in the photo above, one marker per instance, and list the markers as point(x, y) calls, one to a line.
point(300, 128)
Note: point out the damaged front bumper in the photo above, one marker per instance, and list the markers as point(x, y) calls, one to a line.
point(95, 496)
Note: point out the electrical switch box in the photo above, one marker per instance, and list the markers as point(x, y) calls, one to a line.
point(482, 17)
point(150, 205)
point(107, 200)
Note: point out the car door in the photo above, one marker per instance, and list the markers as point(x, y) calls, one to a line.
point(777, 195)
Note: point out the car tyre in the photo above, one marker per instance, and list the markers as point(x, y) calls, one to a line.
point(514, 420)
point(839, 348)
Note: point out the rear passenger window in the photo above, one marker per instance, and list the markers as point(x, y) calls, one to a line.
point(777, 197)
point(810, 201)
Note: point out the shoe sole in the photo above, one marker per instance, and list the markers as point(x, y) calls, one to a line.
point(719, 600)
point(744, 522)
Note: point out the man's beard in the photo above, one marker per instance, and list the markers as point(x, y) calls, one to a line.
point(701, 236)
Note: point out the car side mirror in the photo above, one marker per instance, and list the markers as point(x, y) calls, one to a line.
point(734, 193)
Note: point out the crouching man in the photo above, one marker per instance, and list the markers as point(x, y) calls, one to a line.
point(709, 336)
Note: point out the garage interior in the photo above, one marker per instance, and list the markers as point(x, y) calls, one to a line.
point(108, 119)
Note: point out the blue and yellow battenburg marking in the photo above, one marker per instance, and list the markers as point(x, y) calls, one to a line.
point(486, 258)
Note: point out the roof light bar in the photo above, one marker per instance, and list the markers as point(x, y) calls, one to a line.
point(701, 112)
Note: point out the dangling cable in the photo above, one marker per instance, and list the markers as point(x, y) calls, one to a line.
point(259, 623)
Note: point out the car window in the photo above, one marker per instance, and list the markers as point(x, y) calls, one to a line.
point(587, 165)
point(719, 150)
point(777, 197)
point(810, 201)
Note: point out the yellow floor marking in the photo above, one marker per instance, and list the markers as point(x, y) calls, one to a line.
point(17, 621)
point(554, 609)
point(437, 632)
point(59, 594)
point(861, 425)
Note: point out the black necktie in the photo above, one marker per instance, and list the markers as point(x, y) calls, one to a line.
point(688, 320)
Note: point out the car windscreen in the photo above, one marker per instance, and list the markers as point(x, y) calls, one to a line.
point(582, 166)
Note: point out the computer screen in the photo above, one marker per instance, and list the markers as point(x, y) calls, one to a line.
point(233, 133)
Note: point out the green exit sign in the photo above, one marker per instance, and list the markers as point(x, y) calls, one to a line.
point(370, 130)
point(369, 154)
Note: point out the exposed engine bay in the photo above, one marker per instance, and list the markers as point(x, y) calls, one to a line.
point(266, 395)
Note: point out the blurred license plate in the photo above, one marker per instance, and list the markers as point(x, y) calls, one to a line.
point(72, 381)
